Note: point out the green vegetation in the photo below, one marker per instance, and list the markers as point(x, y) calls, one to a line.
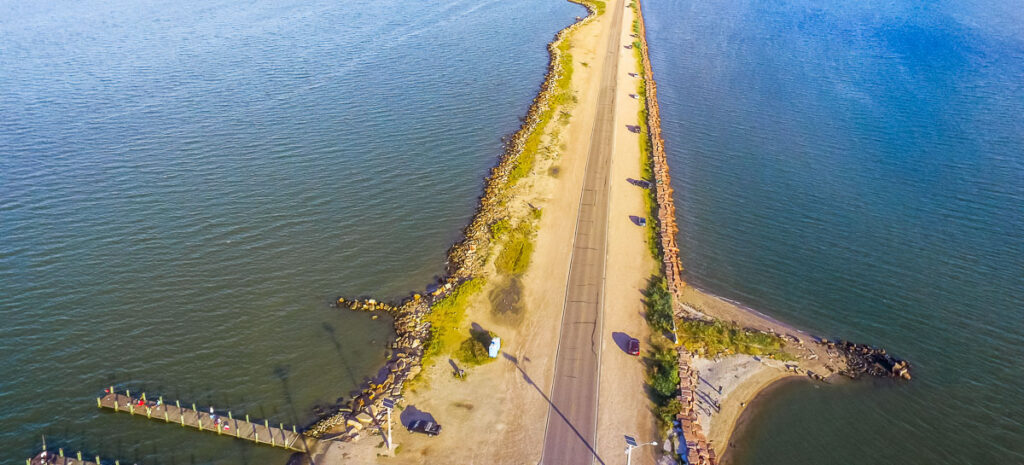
point(663, 381)
point(658, 302)
point(446, 317)
point(473, 350)
point(663, 372)
point(598, 6)
point(500, 228)
point(720, 338)
point(514, 257)
point(667, 412)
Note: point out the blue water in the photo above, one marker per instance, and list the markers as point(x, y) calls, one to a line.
point(185, 186)
point(857, 168)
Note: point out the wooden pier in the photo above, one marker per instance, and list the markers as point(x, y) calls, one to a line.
point(58, 458)
point(223, 425)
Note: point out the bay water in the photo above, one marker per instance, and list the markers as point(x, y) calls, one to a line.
point(856, 168)
point(185, 186)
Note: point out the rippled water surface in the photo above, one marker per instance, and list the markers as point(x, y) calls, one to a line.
point(857, 168)
point(184, 186)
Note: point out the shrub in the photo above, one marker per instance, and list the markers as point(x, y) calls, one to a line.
point(666, 412)
point(473, 350)
point(663, 374)
point(658, 301)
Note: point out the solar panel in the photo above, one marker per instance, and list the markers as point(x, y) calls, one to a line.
point(389, 403)
point(630, 441)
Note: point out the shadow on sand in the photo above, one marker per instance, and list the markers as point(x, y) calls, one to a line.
point(526, 377)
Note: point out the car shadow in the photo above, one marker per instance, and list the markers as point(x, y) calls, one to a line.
point(639, 183)
point(411, 414)
point(622, 340)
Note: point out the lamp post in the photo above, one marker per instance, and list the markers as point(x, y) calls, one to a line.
point(389, 404)
point(631, 444)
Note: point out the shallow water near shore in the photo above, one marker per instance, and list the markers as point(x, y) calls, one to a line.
point(856, 169)
point(185, 186)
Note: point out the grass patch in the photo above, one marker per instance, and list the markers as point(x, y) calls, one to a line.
point(446, 317)
point(473, 350)
point(720, 338)
point(514, 257)
point(658, 302)
point(500, 228)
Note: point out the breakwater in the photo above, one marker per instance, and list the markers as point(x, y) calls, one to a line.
point(698, 450)
point(465, 259)
point(666, 207)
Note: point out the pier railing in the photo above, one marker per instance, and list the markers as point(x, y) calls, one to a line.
point(58, 458)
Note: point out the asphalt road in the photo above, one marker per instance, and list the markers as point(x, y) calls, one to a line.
point(571, 433)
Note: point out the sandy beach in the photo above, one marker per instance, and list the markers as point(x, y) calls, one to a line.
point(726, 388)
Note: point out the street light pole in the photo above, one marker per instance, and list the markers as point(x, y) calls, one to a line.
point(632, 445)
point(389, 404)
point(390, 444)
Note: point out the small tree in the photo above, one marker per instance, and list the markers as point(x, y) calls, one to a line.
point(663, 373)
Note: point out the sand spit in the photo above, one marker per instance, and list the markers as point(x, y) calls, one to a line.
point(363, 415)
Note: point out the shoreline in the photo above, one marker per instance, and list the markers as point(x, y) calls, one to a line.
point(755, 404)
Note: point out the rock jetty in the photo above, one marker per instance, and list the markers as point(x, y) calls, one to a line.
point(864, 359)
point(698, 450)
point(403, 365)
point(666, 205)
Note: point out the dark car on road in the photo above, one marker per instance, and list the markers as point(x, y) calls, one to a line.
point(426, 427)
point(633, 346)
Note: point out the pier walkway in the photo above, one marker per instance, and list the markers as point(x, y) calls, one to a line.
point(224, 425)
